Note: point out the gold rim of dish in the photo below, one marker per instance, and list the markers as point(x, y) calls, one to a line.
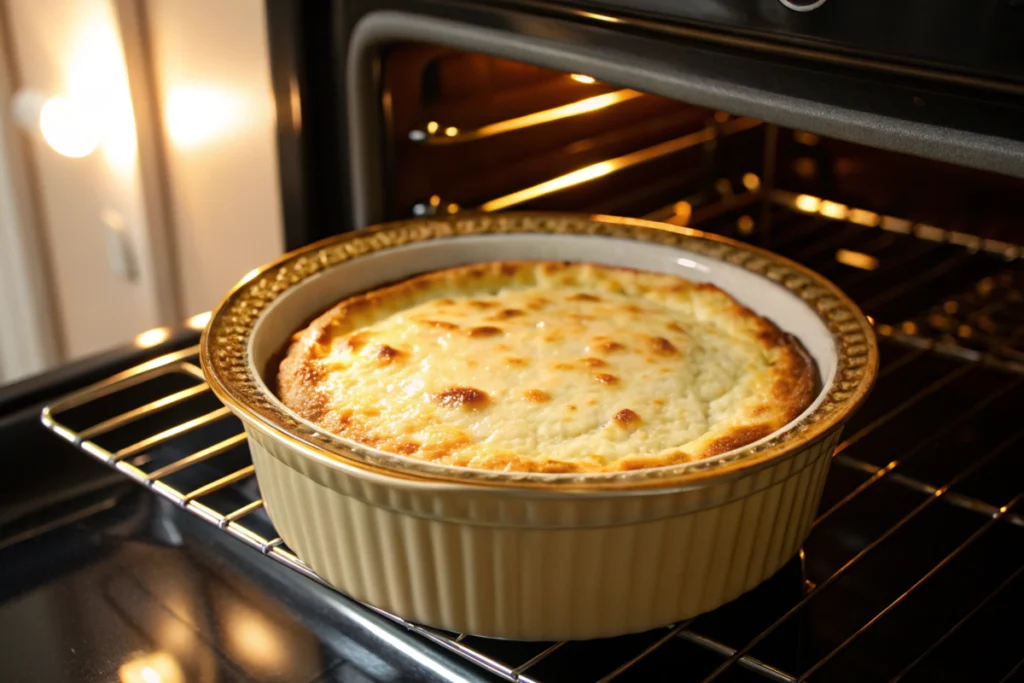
point(225, 342)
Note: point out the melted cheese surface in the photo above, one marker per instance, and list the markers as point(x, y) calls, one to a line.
point(566, 368)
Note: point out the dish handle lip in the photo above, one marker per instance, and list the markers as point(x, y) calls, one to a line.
point(224, 349)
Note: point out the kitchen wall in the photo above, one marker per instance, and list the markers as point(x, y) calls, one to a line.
point(213, 79)
point(166, 200)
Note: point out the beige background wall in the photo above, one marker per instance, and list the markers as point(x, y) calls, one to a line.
point(218, 167)
point(213, 79)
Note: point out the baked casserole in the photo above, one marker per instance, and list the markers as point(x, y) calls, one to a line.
point(543, 366)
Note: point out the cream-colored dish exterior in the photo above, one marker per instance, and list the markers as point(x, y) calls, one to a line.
point(536, 556)
point(530, 570)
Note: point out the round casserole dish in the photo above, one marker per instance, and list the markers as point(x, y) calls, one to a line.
point(525, 555)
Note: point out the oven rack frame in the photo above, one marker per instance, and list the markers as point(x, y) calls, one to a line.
point(275, 548)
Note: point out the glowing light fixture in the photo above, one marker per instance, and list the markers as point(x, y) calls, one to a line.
point(751, 181)
point(583, 78)
point(68, 128)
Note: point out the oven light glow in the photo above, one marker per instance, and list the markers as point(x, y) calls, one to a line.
point(682, 212)
point(806, 202)
point(68, 128)
point(199, 321)
point(601, 17)
point(721, 116)
point(555, 184)
point(870, 319)
point(150, 675)
point(863, 217)
point(435, 200)
point(564, 111)
point(805, 138)
point(832, 209)
point(583, 78)
point(152, 337)
point(857, 259)
point(453, 208)
point(751, 181)
point(745, 224)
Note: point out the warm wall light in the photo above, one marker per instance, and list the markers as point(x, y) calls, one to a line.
point(751, 181)
point(583, 78)
point(68, 127)
point(197, 114)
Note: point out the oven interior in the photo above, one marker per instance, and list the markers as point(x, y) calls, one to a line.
point(912, 571)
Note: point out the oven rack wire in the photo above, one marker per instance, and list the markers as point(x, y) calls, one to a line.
point(129, 460)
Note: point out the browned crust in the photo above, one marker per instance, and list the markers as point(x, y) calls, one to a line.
point(299, 377)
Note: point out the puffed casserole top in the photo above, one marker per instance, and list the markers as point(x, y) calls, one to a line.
point(546, 367)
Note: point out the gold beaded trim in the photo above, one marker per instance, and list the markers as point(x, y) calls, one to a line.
point(225, 343)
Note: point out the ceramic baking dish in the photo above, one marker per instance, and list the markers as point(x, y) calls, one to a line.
point(524, 555)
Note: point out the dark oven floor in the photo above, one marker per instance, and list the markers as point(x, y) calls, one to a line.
point(912, 571)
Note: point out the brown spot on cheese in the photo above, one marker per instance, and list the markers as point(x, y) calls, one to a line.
point(770, 336)
point(675, 327)
point(593, 362)
point(626, 418)
point(462, 397)
point(571, 408)
point(591, 402)
point(536, 396)
point(537, 303)
point(357, 341)
point(605, 378)
point(738, 438)
point(386, 354)
point(472, 363)
point(439, 324)
point(581, 318)
point(583, 296)
point(606, 345)
point(508, 313)
point(445, 302)
point(661, 346)
point(563, 366)
point(485, 331)
point(633, 308)
point(483, 305)
point(658, 402)
point(515, 361)
point(759, 410)
point(555, 336)
point(407, 447)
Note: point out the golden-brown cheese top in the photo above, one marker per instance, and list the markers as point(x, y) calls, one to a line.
point(547, 367)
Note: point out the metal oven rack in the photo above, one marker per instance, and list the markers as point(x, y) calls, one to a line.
point(914, 382)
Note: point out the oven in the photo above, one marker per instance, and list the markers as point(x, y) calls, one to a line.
point(878, 143)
